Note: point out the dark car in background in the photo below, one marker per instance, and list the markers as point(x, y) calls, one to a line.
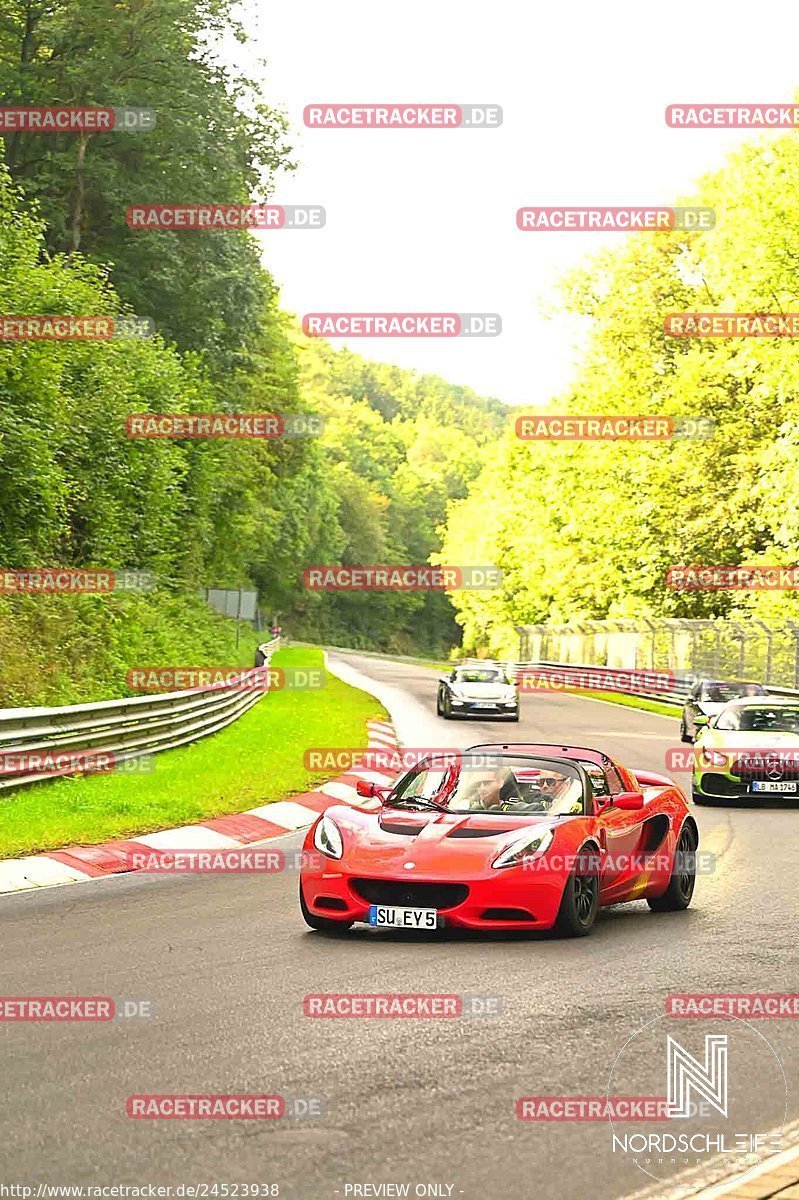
point(477, 691)
point(707, 698)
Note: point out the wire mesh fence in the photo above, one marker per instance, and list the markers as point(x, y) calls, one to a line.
point(748, 649)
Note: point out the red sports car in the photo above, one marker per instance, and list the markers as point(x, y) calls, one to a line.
point(501, 837)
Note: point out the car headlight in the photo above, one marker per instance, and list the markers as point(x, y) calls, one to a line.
point(327, 838)
point(712, 758)
point(532, 842)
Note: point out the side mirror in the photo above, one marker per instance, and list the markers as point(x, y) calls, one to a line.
point(630, 801)
point(367, 789)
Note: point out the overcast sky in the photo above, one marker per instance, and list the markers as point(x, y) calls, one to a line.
point(425, 220)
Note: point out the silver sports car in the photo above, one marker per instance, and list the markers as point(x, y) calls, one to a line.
point(477, 692)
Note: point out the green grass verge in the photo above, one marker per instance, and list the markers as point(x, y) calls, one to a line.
point(254, 761)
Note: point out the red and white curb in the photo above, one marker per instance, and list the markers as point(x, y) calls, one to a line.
point(75, 864)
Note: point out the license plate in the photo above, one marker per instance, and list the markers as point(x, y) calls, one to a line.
point(402, 918)
point(767, 785)
point(484, 704)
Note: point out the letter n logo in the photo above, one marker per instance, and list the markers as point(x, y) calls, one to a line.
point(686, 1074)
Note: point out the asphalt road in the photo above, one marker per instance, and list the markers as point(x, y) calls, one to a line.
point(226, 962)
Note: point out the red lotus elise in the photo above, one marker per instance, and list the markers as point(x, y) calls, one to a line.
point(501, 837)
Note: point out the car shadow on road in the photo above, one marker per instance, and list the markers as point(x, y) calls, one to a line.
point(750, 804)
point(633, 915)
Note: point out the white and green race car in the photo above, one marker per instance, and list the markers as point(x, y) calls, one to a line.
point(748, 751)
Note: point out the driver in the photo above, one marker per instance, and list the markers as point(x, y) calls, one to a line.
point(551, 788)
point(496, 789)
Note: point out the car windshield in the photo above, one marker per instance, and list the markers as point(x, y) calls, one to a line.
point(721, 691)
point(498, 783)
point(485, 675)
point(778, 718)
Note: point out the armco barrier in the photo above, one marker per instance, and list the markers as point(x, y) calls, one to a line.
point(683, 681)
point(677, 695)
point(120, 729)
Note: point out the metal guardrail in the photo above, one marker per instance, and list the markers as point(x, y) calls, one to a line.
point(677, 694)
point(117, 730)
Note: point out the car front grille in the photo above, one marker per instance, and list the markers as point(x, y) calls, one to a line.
point(749, 769)
point(722, 785)
point(410, 895)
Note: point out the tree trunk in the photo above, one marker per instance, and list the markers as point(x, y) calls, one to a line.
point(80, 193)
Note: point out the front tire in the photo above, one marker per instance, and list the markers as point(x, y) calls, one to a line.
point(684, 734)
point(323, 924)
point(677, 895)
point(580, 903)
